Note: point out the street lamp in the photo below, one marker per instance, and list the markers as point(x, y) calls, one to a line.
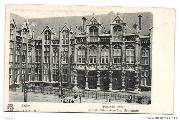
point(60, 69)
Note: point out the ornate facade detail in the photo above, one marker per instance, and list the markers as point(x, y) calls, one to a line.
point(87, 57)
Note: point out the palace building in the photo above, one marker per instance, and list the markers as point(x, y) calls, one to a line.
point(87, 57)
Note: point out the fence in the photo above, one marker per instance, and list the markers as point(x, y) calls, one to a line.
point(98, 95)
point(109, 95)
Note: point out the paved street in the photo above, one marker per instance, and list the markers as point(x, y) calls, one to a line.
point(17, 96)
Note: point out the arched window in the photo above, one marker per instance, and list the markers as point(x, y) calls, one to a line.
point(145, 56)
point(129, 55)
point(117, 54)
point(92, 54)
point(81, 54)
point(29, 56)
point(23, 57)
point(65, 37)
point(93, 34)
point(104, 54)
point(117, 29)
point(55, 56)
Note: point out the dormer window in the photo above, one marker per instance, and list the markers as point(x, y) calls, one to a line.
point(47, 37)
point(65, 37)
point(93, 34)
point(117, 29)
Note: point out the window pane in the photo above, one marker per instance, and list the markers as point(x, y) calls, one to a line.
point(127, 59)
point(107, 59)
point(102, 59)
point(94, 59)
point(132, 59)
point(90, 59)
point(115, 60)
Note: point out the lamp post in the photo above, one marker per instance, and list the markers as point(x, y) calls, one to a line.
point(60, 70)
point(19, 45)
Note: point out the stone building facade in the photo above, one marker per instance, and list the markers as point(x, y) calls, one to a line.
point(87, 57)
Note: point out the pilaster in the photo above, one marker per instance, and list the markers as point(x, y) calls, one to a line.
point(75, 79)
point(87, 80)
point(98, 80)
point(123, 80)
point(110, 82)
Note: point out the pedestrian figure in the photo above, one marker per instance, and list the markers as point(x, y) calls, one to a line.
point(80, 95)
point(149, 101)
point(108, 98)
point(139, 100)
point(129, 100)
point(75, 95)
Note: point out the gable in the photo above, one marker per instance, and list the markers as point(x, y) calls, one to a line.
point(93, 21)
point(117, 20)
point(47, 28)
point(65, 28)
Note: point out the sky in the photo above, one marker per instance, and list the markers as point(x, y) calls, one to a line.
point(56, 11)
point(44, 11)
point(45, 14)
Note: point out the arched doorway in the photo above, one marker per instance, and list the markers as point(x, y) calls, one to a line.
point(104, 83)
point(92, 80)
point(116, 80)
point(81, 80)
point(130, 80)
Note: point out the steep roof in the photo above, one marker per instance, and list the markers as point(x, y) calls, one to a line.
point(130, 19)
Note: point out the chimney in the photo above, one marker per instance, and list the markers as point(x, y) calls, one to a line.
point(140, 22)
point(84, 24)
point(33, 34)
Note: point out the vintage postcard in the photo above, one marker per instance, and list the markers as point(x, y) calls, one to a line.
point(89, 59)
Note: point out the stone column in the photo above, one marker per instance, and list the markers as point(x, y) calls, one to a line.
point(75, 79)
point(137, 82)
point(110, 82)
point(87, 80)
point(123, 80)
point(123, 53)
point(98, 80)
point(51, 62)
point(137, 63)
point(14, 58)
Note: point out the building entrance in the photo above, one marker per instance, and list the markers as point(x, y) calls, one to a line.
point(116, 80)
point(81, 80)
point(104, 83)
point(130, 80)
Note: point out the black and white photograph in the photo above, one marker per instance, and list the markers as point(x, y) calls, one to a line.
point(74, 57)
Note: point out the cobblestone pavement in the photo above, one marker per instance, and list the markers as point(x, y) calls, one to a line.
point(17, 96)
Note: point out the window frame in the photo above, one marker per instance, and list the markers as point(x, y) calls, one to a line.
point(130, 55)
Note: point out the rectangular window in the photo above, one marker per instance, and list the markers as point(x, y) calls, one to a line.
point(90, 59)
point(64, 41)
point(63, 36)
point(130, 55)
point(145, 56)
point(94, 59)
point(79, 58)
point(117, 59)
point(102, 59)
point(67, 41)
point(67, 36)
point(83, 59)
point(107, 60)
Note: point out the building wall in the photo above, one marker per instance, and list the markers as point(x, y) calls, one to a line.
point(90, 59)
